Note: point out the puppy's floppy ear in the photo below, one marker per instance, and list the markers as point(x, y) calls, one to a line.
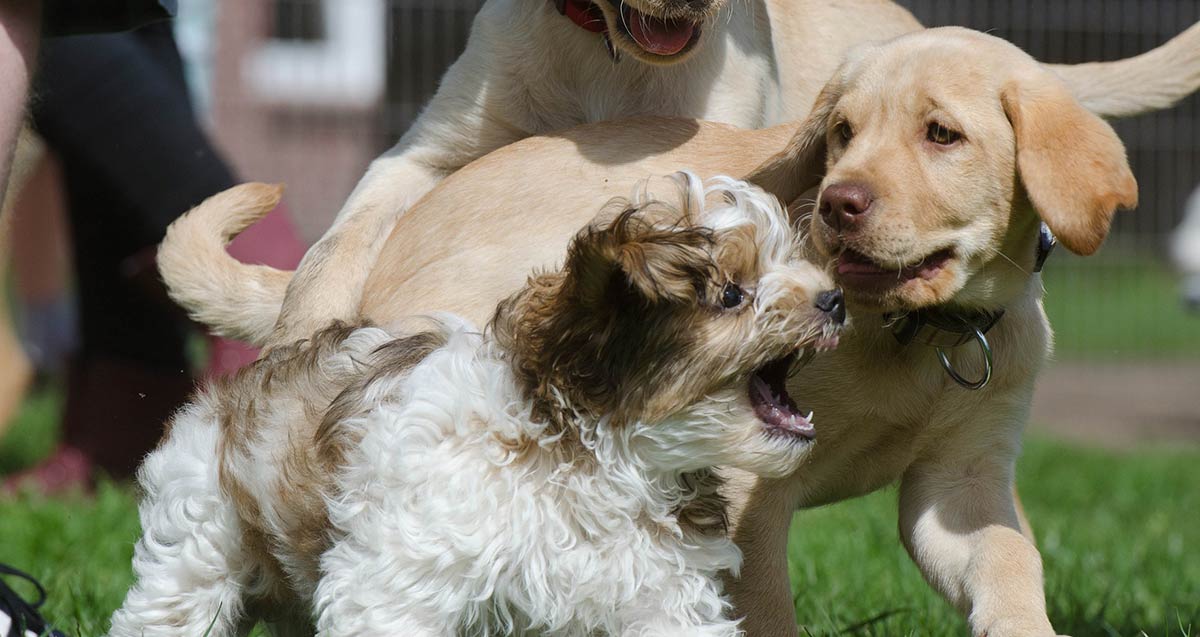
point(607, 263)
point(801, 164)
point(1071, 162)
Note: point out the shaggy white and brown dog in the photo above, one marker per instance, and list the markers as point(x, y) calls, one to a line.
point(550, 475)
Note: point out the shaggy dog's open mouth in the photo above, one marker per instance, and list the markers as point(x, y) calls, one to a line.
point(662, 37)
point(860, 272)
point(772, 404)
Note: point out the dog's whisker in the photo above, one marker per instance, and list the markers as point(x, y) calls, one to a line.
point(621, 15)
point(1000, 253)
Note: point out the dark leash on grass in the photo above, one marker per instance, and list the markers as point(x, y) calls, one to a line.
point(855, 628)
point(22, 617)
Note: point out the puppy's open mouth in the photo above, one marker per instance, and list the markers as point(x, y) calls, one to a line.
point(772, 404)
point(664, 37)
point(859, 271)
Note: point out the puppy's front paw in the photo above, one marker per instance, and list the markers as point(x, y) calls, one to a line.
point(1019, 628)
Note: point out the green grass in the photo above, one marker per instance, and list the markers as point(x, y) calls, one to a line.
point(1117, 308)
point(33, 433)
point(1119, 532)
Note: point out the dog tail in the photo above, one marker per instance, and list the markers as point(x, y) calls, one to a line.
point(234, 299)
point(1152, 81)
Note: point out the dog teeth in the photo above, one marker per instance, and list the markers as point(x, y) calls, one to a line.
point(806, 355)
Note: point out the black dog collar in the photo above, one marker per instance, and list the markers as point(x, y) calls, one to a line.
point(943, 328)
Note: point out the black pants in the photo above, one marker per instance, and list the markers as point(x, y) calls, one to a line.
point(115, 110)
point(67, 17)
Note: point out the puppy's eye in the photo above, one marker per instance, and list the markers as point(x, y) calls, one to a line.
point(732, 296)
point(844, 132)
point(941, 135)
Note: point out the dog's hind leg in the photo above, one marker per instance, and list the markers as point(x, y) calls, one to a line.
point(189, 566)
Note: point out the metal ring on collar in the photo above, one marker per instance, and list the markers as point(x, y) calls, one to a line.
point(987, 364)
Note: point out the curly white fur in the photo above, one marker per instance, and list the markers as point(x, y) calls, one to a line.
point(562, 549)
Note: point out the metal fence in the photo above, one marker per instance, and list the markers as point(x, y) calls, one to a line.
point(1121, 303)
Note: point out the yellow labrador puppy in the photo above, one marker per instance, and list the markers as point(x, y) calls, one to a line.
point(937, 156)
point(535, 66)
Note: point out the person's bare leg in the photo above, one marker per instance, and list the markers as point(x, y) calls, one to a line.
point(16, 370)
point(41, 260)
point(20, 21)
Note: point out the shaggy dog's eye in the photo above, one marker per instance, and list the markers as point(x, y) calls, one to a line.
point(732, 296)
point(844, 132)
point(941, 135)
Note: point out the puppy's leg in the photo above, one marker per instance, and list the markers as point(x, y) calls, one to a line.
point(188, 564)
point(959, 524)
point(458, 125)
point(760, 512)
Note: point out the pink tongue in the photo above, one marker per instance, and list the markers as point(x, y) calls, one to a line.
point(658, 36)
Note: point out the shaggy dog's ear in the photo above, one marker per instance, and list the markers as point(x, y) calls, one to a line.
point(1071, 162)
point(632, 261)
point(588, 337)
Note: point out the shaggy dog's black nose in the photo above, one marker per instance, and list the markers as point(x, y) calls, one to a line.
point(832, 303)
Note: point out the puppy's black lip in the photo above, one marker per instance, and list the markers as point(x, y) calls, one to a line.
point(773, 406)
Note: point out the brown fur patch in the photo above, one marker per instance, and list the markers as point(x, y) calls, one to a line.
point(395, 358)
point(295, 387)
point(594, 336)
point(706, 512)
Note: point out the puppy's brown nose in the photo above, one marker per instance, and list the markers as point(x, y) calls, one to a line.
point(844, 205)
point(832, 303)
